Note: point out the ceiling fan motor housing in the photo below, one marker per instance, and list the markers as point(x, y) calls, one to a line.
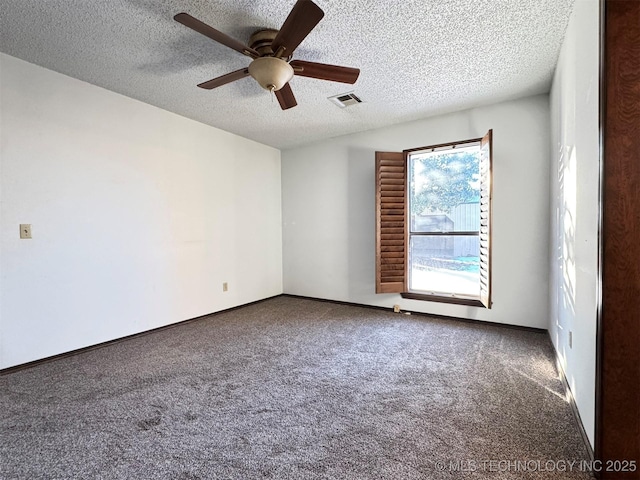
point(261, 41)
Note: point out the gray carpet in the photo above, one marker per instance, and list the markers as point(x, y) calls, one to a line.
point(291, 388)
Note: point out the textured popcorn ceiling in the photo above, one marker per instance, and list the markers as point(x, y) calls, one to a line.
point(417, 57)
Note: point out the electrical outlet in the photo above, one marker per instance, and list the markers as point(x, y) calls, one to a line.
point(225, 286)
point(25, 230)
point(570, 339)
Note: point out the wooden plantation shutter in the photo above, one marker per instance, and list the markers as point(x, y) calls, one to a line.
point(485, 219)
point(390, 222)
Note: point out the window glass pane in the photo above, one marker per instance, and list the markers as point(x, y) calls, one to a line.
point(445, 264)
point(444, 192)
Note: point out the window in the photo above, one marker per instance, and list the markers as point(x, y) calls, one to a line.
point(433, 207)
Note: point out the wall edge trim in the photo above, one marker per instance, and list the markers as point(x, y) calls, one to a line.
point(573, 404)
point(432, 315)
point(78, 351)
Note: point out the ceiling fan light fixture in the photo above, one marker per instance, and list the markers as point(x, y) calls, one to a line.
point(270, 72)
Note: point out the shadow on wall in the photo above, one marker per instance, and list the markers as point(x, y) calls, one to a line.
point(567, 180)
point(361, 222)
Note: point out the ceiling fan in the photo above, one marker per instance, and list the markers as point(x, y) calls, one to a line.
point(271, 51)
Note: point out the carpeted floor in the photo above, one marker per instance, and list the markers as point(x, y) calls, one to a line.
point(291, 388)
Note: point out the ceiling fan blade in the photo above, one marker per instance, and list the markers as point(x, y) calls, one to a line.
point(304, 16)
point(323, 71)
point(200, 27)
point(285, 97)
point(224, 79)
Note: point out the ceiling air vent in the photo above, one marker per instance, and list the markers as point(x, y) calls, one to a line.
point(345, 99)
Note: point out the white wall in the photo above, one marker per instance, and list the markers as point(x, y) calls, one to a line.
point(574, 208)
point(138, 216)
point(329, 224)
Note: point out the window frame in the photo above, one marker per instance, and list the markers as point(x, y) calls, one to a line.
point(484, 233)
point(436, 296)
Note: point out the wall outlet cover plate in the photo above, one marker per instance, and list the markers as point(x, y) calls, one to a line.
point(25, 230)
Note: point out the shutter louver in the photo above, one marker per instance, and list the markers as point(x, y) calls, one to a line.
point(485, 219)
point(390, 222)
